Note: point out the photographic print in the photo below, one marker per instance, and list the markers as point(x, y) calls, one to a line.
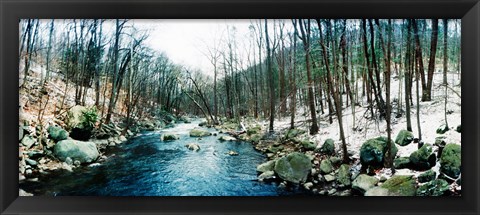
point(239, 107)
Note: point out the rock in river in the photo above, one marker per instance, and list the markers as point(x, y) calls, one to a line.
point(85, 152)
point(227, 138)
point(169, 137)
point(267, 166)
point(294, 167)
point(199, 133)
point(193, 146)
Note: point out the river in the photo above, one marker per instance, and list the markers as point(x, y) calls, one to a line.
point(147, 166)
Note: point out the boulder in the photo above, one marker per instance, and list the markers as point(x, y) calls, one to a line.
point(423, 158)
point(374, 150)
point(427, 176)
point(28, 141)
point(326, 166)
point(442, 129)
point(227, 138)
point(266, 176)
point(344, 175)
point(436, 187)
point(377, 191)
point(308, 145)
point(400, 185)
point(404, 138)
point(80, 121)
point(328, 147)
point(193, 146)
point(401, 162)
point(451, 160)
point(267, 166)
point(85, 152)
point(294, 167)
point(329, 178)
point(56, 133)
point(292, 133)
point(199, 133)
point(364, 182)
point(169, 137)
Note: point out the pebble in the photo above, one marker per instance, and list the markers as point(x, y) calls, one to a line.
point(308, 185)
point(332, 191)
point(28, 171)
point(31, 162)
point(316, 162)
point(329, 178)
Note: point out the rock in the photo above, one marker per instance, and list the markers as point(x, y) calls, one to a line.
point(85, 152)
point(442, 129)
point(169, 137)
point(199, 133)
point(20, 133)
point(76, 163)
point(227, 138)
point(433, 188)
point(427, 176)
point(293, 133)
point(308, 145)
point(335, 161)
point(401, 162)
point(193, 146)
point(308, 185)
point(374, 150)
point(274, 149)
point(28, 141)
point(255, 138)
point(328, 147)
point(377, 191)
point(201, 124)
point(404, 138)
point(232, 153)
point(268, 175)
point(451, 160)
point(253, 130)
point(293, 168)
point(267, 166)
point(459, 129)
point(400, 185)
point(28, 172)
point(329, 178)
point(79, 125)
point(23, 193)
point(423, 158)
point(122, 138)
point(326, 166)
point(332, 191)
point(56, 133)
point(31, 162)
point(35, 154)
point(364, 182)
point(69, 161)
point(344, 175)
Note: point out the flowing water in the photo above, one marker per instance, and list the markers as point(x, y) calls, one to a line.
point(147, 166)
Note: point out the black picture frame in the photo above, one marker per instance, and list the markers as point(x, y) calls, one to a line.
point(13, 10)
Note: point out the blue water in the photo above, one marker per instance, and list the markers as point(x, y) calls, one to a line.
point(147, 166)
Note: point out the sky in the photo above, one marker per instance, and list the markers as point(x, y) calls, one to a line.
point(186, 42)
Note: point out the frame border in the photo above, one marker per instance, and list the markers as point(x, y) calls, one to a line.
point(13, 10)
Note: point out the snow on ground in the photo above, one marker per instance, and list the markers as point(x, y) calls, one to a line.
point(431, 117)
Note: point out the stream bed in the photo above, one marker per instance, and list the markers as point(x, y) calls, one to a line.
point(147, 166)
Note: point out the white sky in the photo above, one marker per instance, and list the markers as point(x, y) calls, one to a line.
point(185, 41)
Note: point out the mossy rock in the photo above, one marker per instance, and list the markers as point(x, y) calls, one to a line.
point(400, 185)
point(436, 187)
point(56, 133)
point(308, 145)
point(267, 166)
point(199, 133)
point(328, 147)
point(344, 175)
point(374, 151)
point(256, 138)
point(404, 138)
point(254, 130)
point(275, 149)
point(292, 133)
point(326, 166)
point(427, 176)
point(423, 158)
point(169, 137)
point(451, 160)
point(401, 163)
point(442, 129)
point(364, 182)
point(294, 167)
